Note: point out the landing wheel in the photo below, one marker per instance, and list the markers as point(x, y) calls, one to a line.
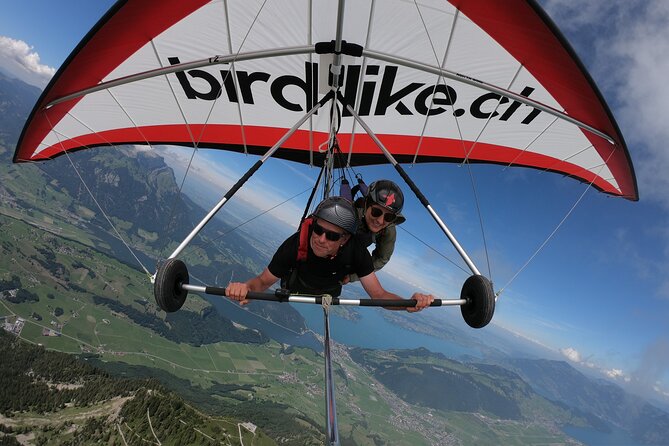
point(171, 274)
point(480, 306)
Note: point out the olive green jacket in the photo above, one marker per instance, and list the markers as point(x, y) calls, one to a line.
point(384, 241)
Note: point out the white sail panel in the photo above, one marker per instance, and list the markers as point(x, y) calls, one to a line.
point(511, 91)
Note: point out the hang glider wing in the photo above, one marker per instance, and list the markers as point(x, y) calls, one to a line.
point(476, 80)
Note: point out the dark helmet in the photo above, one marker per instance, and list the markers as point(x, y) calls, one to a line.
point(387, 194)
point(338, 211)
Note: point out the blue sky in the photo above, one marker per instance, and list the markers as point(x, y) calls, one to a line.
point(598, 293)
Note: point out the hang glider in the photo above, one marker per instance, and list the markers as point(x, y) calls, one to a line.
point(392, 81)
point(438, 81)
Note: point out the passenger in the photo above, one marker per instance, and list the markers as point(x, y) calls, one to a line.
point(379, 213)
point(316, 259)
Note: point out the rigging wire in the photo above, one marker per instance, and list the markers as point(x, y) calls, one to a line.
point(530, 143)
point(473, 181)
point(195, 142)
point(564, 160)
point(490, 116)
point(104, 214)
point(313, 193)
point(102, 211)
point(439, 77)
point(434, 250)
point(363, 73)
point(543, 244)
point(466, 153)
point(550, 236)
point(480, 218)
point(210, 242)
point(190, 134)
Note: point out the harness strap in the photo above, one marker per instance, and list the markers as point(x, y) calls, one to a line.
point(345, 190)
point(326, 301)
point(303, 247)
point(360, 187)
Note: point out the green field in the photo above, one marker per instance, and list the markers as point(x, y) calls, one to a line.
point(65, 274)
point(294, 379)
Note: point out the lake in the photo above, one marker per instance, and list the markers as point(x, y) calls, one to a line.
point(370, 330)
point(281, 334)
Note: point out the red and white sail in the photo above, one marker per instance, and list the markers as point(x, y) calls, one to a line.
point(475, 80)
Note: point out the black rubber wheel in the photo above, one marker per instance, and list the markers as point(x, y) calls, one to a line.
point(172, 273)
point(480, 306)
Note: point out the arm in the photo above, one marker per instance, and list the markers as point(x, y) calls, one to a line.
point(384, 247)
point(373, 287)
point(280, 264)
point(238, 290)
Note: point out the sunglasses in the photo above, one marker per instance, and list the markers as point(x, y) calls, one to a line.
point(388, 217)
point(333, 236)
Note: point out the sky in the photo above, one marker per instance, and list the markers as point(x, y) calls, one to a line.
point(597, 293)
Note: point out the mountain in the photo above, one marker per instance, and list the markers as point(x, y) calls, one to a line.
point(139, 194)
point(140, 197)
point(58, 399)
point(16, 101)
point(427, 379)
point(70, 297)
point(558, 381)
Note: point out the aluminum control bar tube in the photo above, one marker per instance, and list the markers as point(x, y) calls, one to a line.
point(284, 296)
point(415, 190)
point(330, 401)
point(246, 176)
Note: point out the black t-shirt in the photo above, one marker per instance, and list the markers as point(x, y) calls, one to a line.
point(318, 275)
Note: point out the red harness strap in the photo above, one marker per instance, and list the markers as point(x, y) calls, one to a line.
point(305, 232)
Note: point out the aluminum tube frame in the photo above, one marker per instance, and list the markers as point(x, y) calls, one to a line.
point(415, 190)
point(336, 63)
point(297, 299)
point(306, 49)
point(332, 432)
point(242, 180)
point(485, 86)
point(214, 60)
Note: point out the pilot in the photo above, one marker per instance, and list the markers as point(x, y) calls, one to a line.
point(316, 259)
point(379, 212)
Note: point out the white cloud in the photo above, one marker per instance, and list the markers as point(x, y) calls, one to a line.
point(571, 354)
point(649, 377)
point(626, 42)
point(615, 374)
point(18, 59)
point(643, 47)
point(575, 356)
point(657, 388)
